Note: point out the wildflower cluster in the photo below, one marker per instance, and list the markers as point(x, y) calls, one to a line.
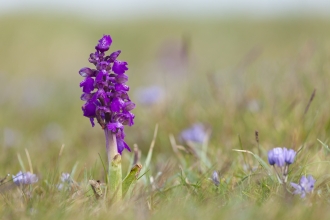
point(306, 185)
point(105, 92)
point(282, 158)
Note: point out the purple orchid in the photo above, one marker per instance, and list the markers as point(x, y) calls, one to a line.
point(105, 92)
point(306, 185)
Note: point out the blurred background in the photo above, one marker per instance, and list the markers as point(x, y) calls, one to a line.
point(235, 66)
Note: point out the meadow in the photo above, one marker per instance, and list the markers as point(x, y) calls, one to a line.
point(238, 77)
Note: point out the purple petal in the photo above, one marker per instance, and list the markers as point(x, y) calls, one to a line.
point(129, 106)
point(86, 96)
point(114, 56)
point(271, 159)
point(119, 67)
point(100, 77)
point(89, 109)
point(121, 87)
point(114, 126)
point(303, 181)
point(307, 183)
point(102, 109)
point(215, 178)
point(104, 43)
point(100, 80)
point(298, 190)
point(85, 72)
point(92, 121)
point(102, 95)
point(124, 95)
point(279, 156)
point(121, 94)
point(95, 57)
point(311, 183)
point(122, 78)
point(121, 145)
point(126, 118)
point(87, 84)
point(289, 155)
point(103, 66)
point(111, 79)
point(65, 178)
point(130, 119)
point(25, 178)
point(296, 186)
point(117, 104)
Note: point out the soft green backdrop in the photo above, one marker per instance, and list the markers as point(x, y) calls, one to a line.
point(235, 75)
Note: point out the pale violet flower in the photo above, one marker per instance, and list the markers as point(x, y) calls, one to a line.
point(282, 158)
point(215, 178)
point(276, 156)
point(289, 155)
point(149, 95)
point(24, 178)
point(306, 185)
point(197, 133)
point(65, 179)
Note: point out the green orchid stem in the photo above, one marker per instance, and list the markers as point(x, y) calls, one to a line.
point(110, 144)
point(115, 179)
point(114, 176)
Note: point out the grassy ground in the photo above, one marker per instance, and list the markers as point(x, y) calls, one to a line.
point(236, 76)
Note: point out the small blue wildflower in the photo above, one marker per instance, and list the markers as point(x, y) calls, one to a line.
point(196, 133)
point(271, 157)
point(306, 185)
point(281, 156)
point(149, 95)
point(215, 178)
point(289, 155)
point(25, 178)
point(276, 156)
point(66, 179)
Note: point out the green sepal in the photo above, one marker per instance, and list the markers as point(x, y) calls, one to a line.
point(130, 180)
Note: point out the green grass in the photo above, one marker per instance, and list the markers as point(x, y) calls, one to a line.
point(241, 75)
